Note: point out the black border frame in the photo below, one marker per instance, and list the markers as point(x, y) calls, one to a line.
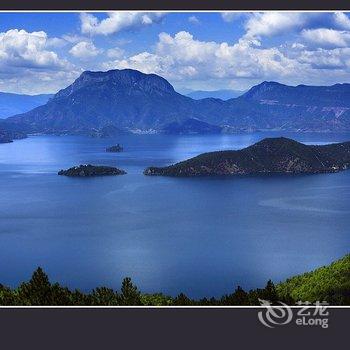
point(214, 5)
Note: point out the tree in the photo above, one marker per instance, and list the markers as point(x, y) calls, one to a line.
point(267, 293)
point(238, 297)
point(129, 293)
point(183, 300)
point(270, 292)
point(37, 291)
point(104, 296)
point(7, 297)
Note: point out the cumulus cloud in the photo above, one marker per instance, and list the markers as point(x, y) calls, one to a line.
point(326, 38)
point(342, 20)
point(117, 21)
point(335, 59)
point(84, 50)
point(273, 23)
point(187, 61)
point(19, 48)
point(182, 56)
point(29, 65)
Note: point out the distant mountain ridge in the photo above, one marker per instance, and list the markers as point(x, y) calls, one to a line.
point(11, 104)
point(132, 101)
point(221, 94)
point(302, 107)
point(325, 96)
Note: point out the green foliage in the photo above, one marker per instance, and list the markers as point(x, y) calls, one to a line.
point(329, 283)
point(7, 296)
point(157, 299)
point(104, 296)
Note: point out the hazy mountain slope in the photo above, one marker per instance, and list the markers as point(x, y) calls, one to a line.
point(301, 95)
point(11, 104)
point(221, 94)
point(305, 108)
point(191, 126)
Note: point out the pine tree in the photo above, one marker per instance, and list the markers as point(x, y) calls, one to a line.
point(129, 293)
point(37, 291)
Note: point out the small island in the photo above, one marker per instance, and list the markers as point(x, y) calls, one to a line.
point(269, 156)
point(115, 149)
point(89, 170)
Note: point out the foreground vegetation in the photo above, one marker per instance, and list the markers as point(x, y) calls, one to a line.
point(330, 283)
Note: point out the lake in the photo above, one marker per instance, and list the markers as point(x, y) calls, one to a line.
point(200, 236)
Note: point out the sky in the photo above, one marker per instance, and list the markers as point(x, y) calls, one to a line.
point(45, 52)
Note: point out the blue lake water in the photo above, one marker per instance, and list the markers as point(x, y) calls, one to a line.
point(199, 236)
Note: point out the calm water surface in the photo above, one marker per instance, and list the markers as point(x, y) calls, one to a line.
point(199, 236)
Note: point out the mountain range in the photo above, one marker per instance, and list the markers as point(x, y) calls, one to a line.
point(221, 94)
point(130, 101)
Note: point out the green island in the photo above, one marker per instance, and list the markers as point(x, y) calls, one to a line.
point(328, 283)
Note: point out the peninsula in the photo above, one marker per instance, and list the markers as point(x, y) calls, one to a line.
point(269, 156)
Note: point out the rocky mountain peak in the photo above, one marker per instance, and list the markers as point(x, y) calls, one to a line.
point(123, 80)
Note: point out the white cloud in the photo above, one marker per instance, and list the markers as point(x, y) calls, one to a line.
point(29, 65)
point(19, 48)
point(298, 46)
point(273, 23)
point(37, 82)
point(326, 59)
point(342, 20)
point(55, 42)
point(194, 20)
point(181, 56)
point(74, 38)
point(324, 37)
point(188, 62)
point(84, 50)
point(115, 52)
point(231, 16)
point(117, 21)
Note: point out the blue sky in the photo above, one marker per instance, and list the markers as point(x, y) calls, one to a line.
point(44, 52)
